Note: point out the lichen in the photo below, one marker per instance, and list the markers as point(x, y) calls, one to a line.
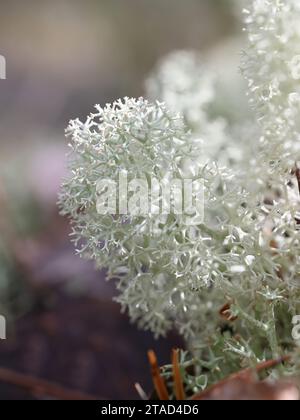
point(229, 282)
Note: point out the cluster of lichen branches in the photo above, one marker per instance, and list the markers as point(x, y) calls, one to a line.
point(230, 283)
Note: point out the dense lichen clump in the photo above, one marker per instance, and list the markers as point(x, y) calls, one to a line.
point(230, 280)
point(162, 261)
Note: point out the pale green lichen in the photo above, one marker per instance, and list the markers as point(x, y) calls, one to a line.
point(160, 261)
point(245, 255)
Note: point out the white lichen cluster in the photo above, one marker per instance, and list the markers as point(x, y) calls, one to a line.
point(230, 283)
point(272, 68)
point(185, 84)
point(161, 261)
point(191, 85)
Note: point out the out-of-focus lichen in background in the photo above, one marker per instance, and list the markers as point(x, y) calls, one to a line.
point(62, 57)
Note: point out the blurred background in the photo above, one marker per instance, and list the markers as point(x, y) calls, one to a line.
point(62, 57)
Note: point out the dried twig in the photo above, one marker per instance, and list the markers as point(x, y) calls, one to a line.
point(178, 384)
point(158, 381)
point(141, 392)
point(245, 374)
point(296, 171)
point(42, 387)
